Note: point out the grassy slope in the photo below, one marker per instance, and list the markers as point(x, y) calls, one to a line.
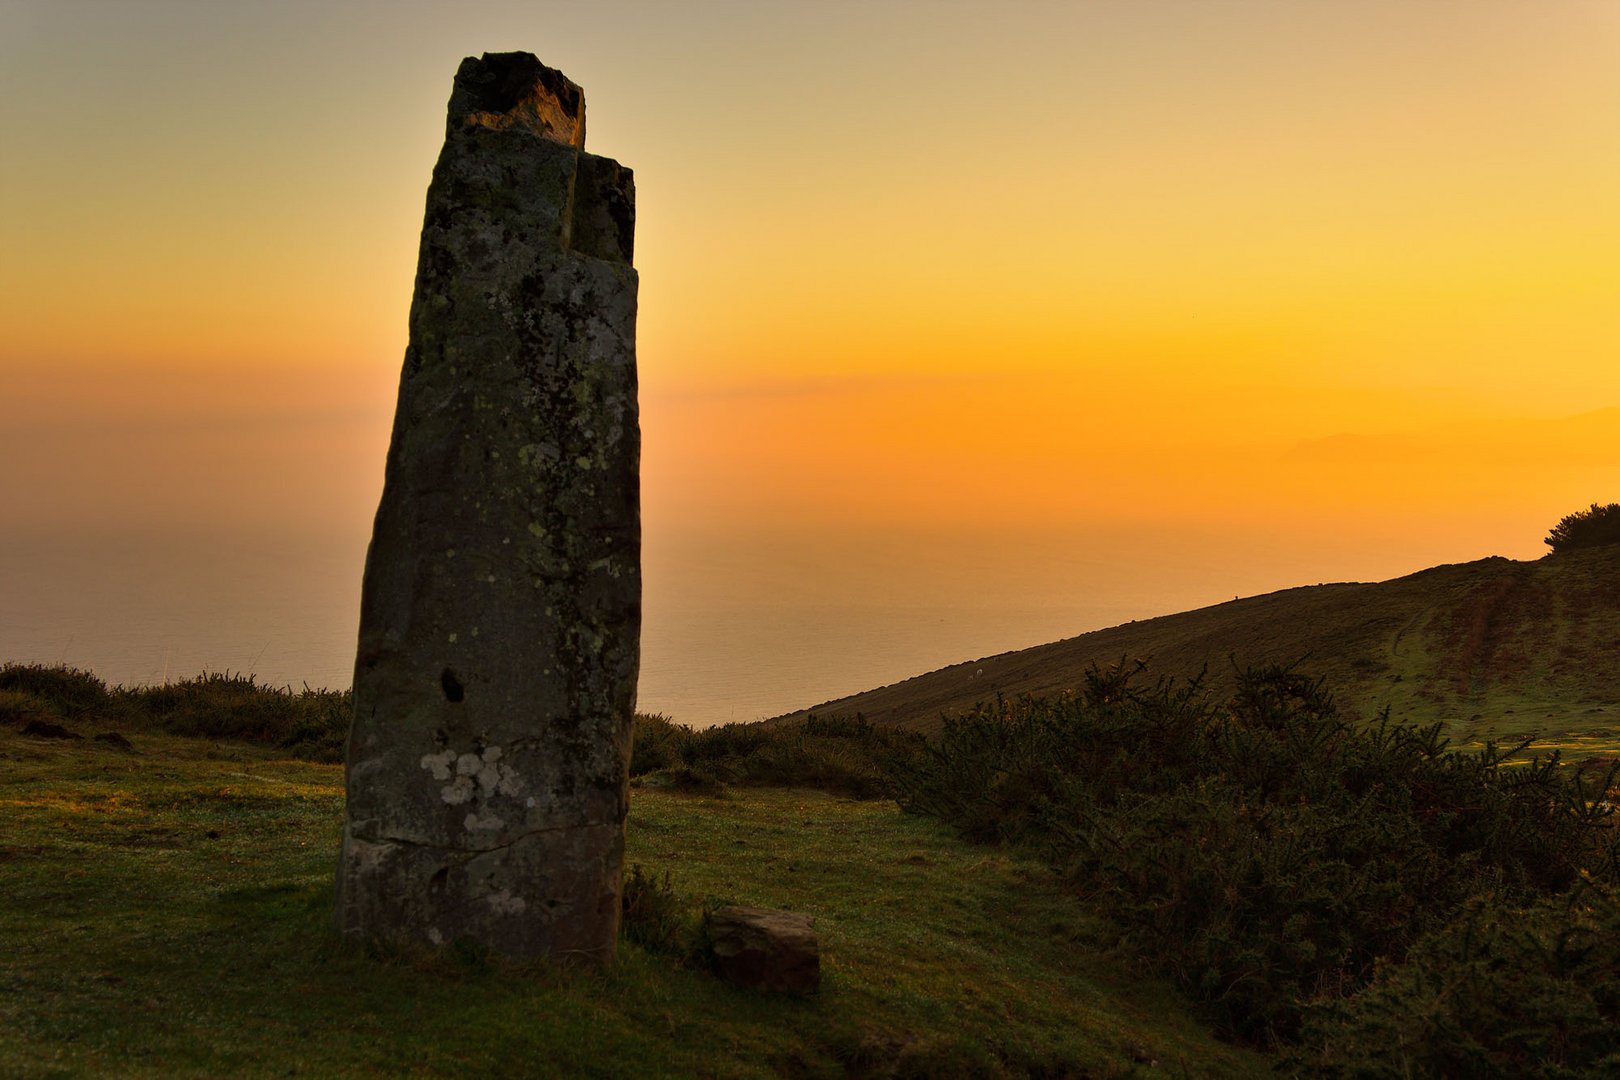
point(1494, 648)
point(166, 913)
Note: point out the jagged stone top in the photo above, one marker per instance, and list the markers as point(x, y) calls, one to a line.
point(515, 90)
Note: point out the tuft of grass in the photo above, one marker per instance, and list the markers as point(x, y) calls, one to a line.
point(653, 915)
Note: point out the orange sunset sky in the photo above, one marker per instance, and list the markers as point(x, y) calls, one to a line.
point(1123, 306)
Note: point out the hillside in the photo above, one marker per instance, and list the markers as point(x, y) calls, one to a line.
point(1494, 649)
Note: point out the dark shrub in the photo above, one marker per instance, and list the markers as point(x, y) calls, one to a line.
point(312, 724)
point(685, 780)
point(1498, 991)
point(656, 743)
point(1593, 527)
point(320, 725)
point(67, 690)
point(18, 708)
point(847, 756)
point(1262, 850)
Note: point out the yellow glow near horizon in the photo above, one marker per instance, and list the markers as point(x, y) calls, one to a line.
point(901, 263)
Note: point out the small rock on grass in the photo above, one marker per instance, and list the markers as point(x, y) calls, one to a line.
point(765, 949)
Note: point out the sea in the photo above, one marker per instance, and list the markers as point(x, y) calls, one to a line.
point(722, 641)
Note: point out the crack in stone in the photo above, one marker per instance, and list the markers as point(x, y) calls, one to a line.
point(400, 841)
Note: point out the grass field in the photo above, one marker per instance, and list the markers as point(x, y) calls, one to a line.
point(166, 913)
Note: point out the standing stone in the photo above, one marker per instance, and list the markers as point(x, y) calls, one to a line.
point(501, 610)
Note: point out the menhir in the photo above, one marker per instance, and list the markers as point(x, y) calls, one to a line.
point(501, 609)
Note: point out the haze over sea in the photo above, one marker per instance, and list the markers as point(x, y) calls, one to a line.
point(147, 608)
point(721, 643)
point(157, 528)
point(164, 528)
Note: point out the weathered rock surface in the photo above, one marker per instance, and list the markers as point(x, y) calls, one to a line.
point(765, 949)
point(501, 607)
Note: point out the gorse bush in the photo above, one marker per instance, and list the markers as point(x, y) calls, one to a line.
point(66, 691)
point(313, 724)
point(1592, 527)
point(848, 756)
point(1263, 851)
point(656, 743)
point(309, 724)
point(18, 708)
point(1499, 991)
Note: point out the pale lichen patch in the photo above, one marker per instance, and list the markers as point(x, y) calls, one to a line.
point(470, 775)
point(439, 764)
point(505, 903)
point(457, 791)
point(484, 821)
point(489, 777)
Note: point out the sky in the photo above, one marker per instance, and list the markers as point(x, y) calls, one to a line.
point(1104, 308)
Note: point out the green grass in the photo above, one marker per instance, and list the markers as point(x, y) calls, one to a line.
point(166, 913)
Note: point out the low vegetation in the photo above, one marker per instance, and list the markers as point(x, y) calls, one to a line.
point(1338, 898)
point(846, 756)
point(1276, 859)
point(308, 724)
point(1498, 991)
point(1595, 526)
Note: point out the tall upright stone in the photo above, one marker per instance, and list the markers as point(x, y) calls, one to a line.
point(501, 610)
